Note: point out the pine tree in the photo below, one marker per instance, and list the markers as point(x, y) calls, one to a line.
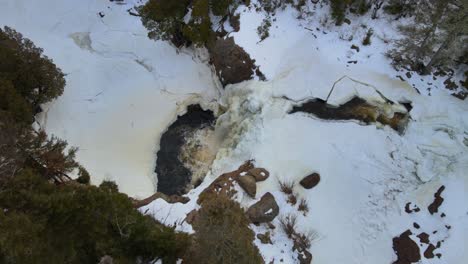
point(34, 76)
point(437, 35)
point(198, 30)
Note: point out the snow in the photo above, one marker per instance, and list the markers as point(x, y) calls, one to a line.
point(123, 90)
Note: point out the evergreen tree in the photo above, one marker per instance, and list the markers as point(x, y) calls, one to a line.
point(33, 76)
point(437, 36)
point(198, 30)
point(222, 234)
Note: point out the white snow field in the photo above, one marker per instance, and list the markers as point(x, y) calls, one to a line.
point(123, 90)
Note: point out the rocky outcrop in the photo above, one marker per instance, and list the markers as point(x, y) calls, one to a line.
point(265, 210)
point(224, 184)
point(232, 63)
point(406, 249)
point(249, 184)
point(310, 181)
point(260, 174)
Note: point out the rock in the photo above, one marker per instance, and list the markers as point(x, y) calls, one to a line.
point(354, 47)
point(423, 238)
point(263, 211)
point(406, 249)
point(438, 200)
point(260, 174)
point(232, 63)
point(310, 181)
point(249, 185)
point(265, 238)
point(429, 252)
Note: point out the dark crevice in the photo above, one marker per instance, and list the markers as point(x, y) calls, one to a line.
point(355, 109)
point(173, 175)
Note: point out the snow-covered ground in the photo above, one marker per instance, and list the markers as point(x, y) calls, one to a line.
point(368, 172)
point(123, 90)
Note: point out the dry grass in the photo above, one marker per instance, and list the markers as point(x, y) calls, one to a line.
point(292, 199)
point(303, 206)
point(286, 186)
point(288, 224)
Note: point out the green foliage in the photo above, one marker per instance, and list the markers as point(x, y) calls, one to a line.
point(163, 18)
point(220, 7)
point(34, 78)
point(338, 10)
point(264, 29)
point(45, 216)
point(198, 30)
point(400, 7)
point(83, 176)
point(109, 186)
point(13, 104)
point(222, 234)
point(41, 223)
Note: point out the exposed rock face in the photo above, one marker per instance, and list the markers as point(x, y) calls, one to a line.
point(232, 63)
point(260, 174)
point(264, 210)
point(438, 200)
point(249, 184)
point(406, 249)
point(310, 181)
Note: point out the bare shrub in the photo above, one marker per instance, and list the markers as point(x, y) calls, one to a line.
point(292, 199)
point(301, 241)
point(303, 206)
point(286, 186)
point(288, 224)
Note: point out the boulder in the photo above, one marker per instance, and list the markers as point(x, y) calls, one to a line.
point(260, 174)
point(263, 211)
point(249, 185)
point(232, 63)
point(310, 181)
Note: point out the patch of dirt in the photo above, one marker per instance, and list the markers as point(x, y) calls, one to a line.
point(357, 109)
point(406, 249)
point(438, 200)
